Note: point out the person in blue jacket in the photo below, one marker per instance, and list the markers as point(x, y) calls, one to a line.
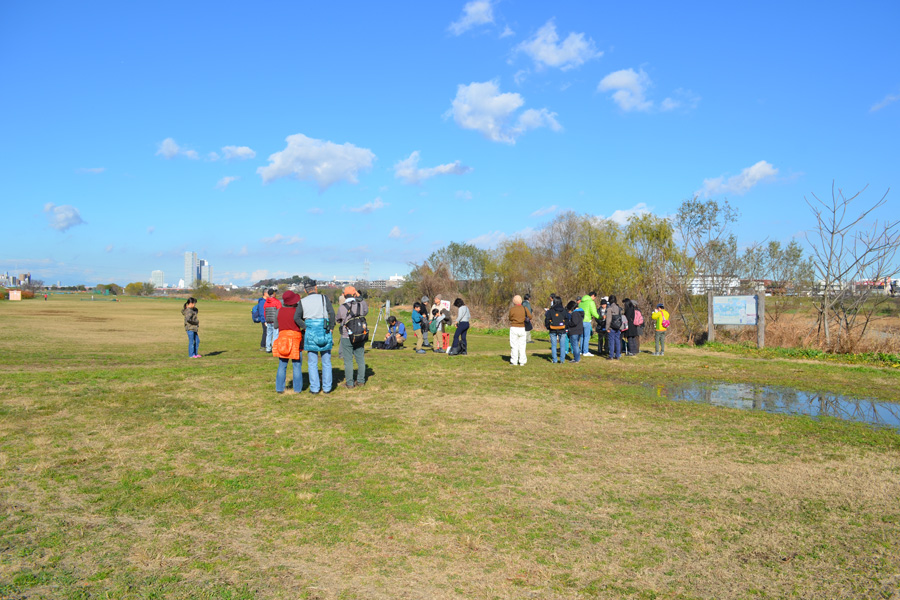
point(396, 334)
point(317, 317)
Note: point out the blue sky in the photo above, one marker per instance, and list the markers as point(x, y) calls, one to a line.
point(287, 138)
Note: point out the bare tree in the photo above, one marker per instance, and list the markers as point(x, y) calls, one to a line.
point(846, 252)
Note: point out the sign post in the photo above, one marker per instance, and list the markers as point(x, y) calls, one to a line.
point(738, 310)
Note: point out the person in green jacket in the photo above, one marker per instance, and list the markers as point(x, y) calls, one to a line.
point(589, 305)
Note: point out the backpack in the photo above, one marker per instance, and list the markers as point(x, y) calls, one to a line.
point(256, 313)
point(556, 319)
point(356, 325)
point(433, 328)
point(615, 323)
point(638, 318)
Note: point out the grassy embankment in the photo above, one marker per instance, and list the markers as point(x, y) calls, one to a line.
point(128, 470)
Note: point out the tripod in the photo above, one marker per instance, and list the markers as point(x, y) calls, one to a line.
point(381, 312)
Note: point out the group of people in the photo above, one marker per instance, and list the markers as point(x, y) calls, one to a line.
point(571, 326)
point(434, 322)
point(294, 325)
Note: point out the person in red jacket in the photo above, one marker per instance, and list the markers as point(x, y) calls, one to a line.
point(289, 343)
point(271, 305)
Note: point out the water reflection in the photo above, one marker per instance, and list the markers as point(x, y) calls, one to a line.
point(786, 401)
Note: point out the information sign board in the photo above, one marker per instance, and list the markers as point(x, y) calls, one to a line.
point(734, 310)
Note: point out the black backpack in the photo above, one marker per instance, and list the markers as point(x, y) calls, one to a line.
point(556, 318)
point(615, 322)
point(356, 325)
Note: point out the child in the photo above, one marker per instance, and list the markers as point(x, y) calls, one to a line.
point(192, 326)
point(660, 319)
point(437, 328)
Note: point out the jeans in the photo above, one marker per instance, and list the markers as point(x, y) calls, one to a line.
point(517, 354)
point(193, 343)
point(282, 374)
point(348, 353)
point(575, 344)
point(586, 339)
point(660, 342)
point(312, 364)
point(615, 343)
point(459, 338)
point(271, 336)
point(558, 339)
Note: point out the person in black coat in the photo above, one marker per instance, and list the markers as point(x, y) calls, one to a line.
point(575, 328)
point(633, 333)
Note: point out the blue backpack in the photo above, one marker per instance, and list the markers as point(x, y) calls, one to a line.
point(257, 311)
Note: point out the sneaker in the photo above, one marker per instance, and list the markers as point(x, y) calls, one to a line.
point(587, 354)
point(360, 384)
point(349, 386)
point(420, 352)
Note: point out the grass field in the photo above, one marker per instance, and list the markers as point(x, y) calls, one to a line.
point(128, 470)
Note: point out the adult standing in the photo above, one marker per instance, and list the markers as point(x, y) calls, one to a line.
point(317, 315)
point(633, 333)
point(289, 345)
point(555, 322)
point(460, 343)
point(614, 329)
point(526, 302)
point(353, 307)
point(518, 315)
point(660, 318)
point(602, 338)
point(575, 328)
point(588, 305)
point(261, 312)
point(271, 306)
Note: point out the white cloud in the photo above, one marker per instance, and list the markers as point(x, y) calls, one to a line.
point(629, 89)
point(223, 183)
point(93, 171)
point(169, 148)
point(283, 239)
point(494, 238)
point(544, 211)
point(408, 169)
point(685, 99)
point(889, 99)
point(481, 107)
point(621, 216)
point(739, 184)
point(475, 13)
point(464, 194)
point(507, 32)
point(62, 218)
point(212, 156)
point(545, 49)
point(396, 233)
point(369, 207)
point(315, 210)
point(239, 152)
point(326, 163)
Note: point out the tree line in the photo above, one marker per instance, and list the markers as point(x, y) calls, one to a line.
point(654, 259)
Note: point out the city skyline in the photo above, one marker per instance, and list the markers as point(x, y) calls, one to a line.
point(416, 126)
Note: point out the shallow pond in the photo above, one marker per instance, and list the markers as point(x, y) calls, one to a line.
point(785, 400)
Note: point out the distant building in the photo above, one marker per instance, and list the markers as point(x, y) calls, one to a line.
point(205, 271)
point(157, 278)
point(190, 269)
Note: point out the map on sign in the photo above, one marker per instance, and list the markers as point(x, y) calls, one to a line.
point(734, 310)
